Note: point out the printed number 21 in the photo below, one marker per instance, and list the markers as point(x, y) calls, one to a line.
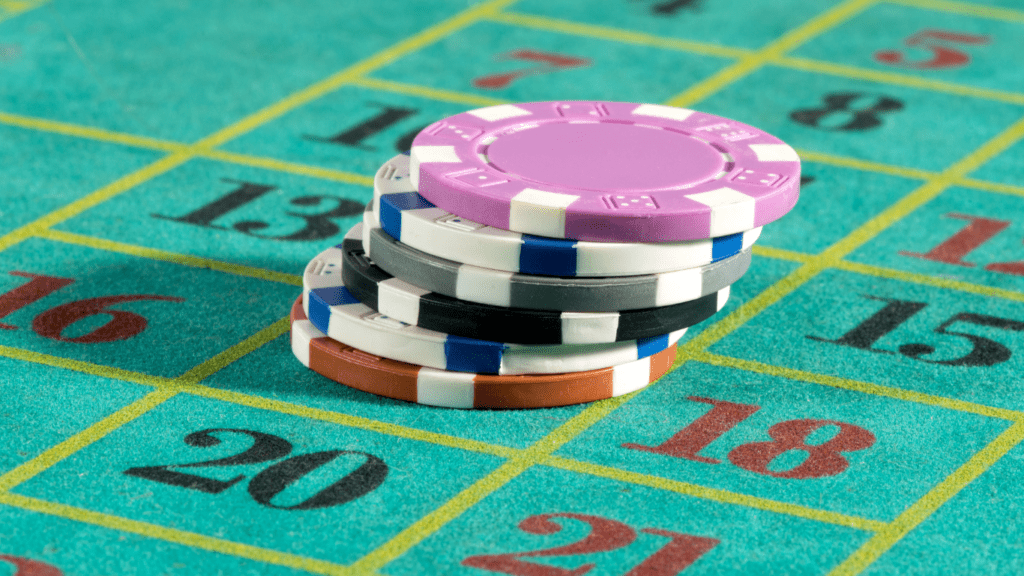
point(605, 535)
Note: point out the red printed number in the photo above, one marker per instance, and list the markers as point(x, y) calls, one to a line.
point(823, 459)
point(937, 42)
point(26, 567)
point(977, 231)
point(546, 62)
point(53, 322)
point(605, 535)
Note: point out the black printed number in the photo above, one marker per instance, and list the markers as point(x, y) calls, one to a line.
point(319, 226)
point(356, 136)
point(984, 351)
point(272, 480)
point(847, 111)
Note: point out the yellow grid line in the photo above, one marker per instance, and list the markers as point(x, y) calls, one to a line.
point(222, 360)
point(504, 474)
point(107, 192)
point(270, 113)
point(857, 386)
point(443, 95)
point(865, 165)
point(173, 257)
point(282, 407)
point(996, 187)
point(438, 94)
point(102, 135)
point(938, 282)
point(813, 27)
point(781, 254)
point(966, 9)
point(173, 535)
point(256, 119)
point(88, 132)
point(358, 70)
point(76, 442)
point(93, 433)
point(84, 367)
point(847, 71)
point(714, 494)
point(290, 167)
point(930, 502)
point(831, 256)
point(11, 8)
point(618, 35)
point(434, 521)
point(897, 79)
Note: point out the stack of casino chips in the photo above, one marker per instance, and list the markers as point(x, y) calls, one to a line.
point(541, 254)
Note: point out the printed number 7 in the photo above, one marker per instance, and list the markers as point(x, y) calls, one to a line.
point(934, 40)
point(546, 62)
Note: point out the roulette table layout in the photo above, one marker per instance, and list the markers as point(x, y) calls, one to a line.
point(169, 169)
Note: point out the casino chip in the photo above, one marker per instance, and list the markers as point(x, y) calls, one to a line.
point(357, 369)
point(403, 301)
point(511, 290)
point(605, 171)
point(337, 312)
point(411, 219)
point(541, 254)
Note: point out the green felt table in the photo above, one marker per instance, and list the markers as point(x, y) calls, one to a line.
point(168, 168)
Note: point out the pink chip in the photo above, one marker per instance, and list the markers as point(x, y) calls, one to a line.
point(605, 171)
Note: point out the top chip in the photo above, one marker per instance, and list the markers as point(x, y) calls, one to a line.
point(605, 171)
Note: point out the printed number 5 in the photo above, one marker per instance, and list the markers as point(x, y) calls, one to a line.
point(935, 40)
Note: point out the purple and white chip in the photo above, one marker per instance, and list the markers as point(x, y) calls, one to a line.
point(605, 171)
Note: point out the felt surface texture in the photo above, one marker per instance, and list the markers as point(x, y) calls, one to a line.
point(168, 168)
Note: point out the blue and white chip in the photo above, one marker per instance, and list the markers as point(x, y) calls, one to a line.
point(333, 310)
